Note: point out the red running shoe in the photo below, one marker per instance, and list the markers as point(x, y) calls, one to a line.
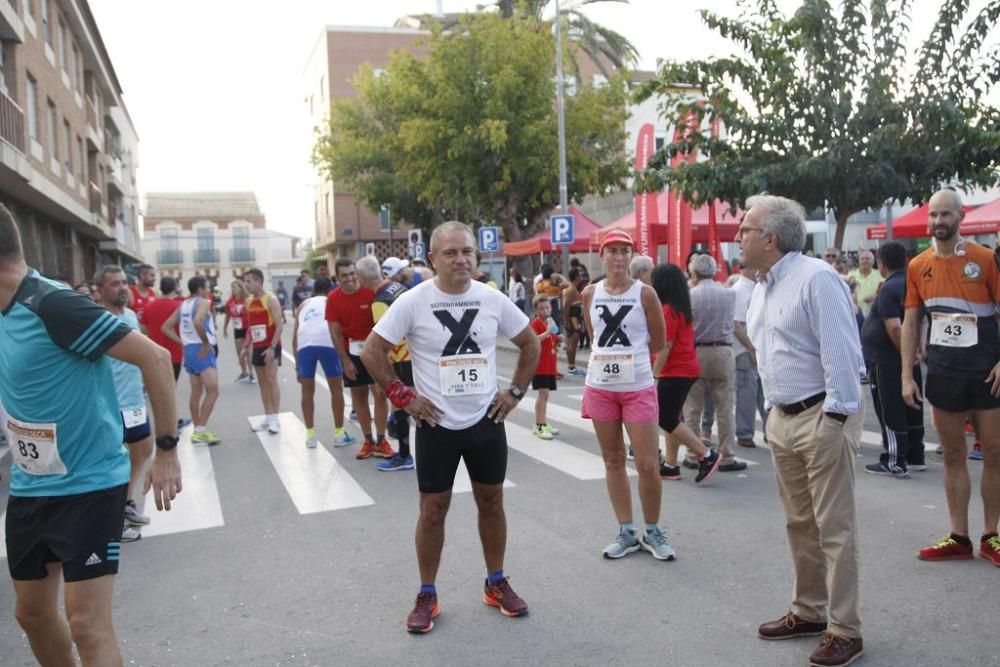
point(946, 549)
point(367, 451)
point(502, 596)
point(383, 450)
point(425, 610)
point(990, 550)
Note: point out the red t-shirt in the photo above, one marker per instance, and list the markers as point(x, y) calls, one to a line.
point(139, 301)
point(683, 361)
point(353, 312)
point(156, 312)
point(237, 310)
point(547, 359)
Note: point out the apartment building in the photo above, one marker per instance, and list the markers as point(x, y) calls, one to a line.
point(68, 149)
point(218, 235)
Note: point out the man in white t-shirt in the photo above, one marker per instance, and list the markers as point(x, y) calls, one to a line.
point(749, 393)
point(451, 325)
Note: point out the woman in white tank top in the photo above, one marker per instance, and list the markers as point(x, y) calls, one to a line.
point(626, 327)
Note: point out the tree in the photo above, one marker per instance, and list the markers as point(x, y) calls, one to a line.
point(469, 130)
point(820, 107)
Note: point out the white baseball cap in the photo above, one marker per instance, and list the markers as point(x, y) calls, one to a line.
point(394, 265)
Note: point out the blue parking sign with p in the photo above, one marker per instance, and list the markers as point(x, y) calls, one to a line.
point(489, 239)
point(563, 229)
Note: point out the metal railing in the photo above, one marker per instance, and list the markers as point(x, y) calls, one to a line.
point(11, 122)
point(241, 255)
point(170, 257)
point(206, 256)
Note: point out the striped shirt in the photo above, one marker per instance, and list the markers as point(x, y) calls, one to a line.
point(712, 309)
point(802, 323)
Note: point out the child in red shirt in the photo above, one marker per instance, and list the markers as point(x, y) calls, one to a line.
point(544, 380)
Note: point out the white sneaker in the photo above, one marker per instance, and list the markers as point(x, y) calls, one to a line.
point(274, 427)
point(312, 442)
point(131, 534)
point(262, 426)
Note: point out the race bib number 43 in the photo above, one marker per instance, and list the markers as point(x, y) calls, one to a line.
point(954, 329)
point(464, 375)
point(611, 368)
point(34, 447)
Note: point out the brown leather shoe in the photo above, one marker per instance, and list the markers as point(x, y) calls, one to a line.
point(790, 626)
point(836, 651)
point(746, 443)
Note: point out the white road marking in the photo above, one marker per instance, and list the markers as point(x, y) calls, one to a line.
point(313, 478)
point(555, 453)
point(198, 505)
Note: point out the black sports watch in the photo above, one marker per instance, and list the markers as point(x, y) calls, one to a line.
point(166, 442)
point(516, 392)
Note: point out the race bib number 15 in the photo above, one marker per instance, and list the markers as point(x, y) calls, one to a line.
point(34, 447)
point(464, 374)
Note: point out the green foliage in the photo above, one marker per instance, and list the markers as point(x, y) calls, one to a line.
point(469, 130)
point(826, 107)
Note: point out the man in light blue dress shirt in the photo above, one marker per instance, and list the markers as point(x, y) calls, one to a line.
point(809, 356)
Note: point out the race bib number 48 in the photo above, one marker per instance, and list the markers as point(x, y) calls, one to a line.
point(611, 368)
point(34, 447)
point(954, 329)
point(464, 375)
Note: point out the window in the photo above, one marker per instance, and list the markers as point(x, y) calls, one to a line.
point(67, 155)
point(45, 22)
point(658, 143)
point(206, 238)
point(327, 205)
point(53, 132)
point(241, 238)
point(3, 66)
point(80, 156)
point(168, 238)
point(29, 8)
point(32, 108)
point(61, 44)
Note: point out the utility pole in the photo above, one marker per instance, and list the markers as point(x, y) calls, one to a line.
point(560, 113)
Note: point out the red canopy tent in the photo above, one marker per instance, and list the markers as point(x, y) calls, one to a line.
point(726, 223)
point(913, 224)
point(984, 220)
point(542, 242)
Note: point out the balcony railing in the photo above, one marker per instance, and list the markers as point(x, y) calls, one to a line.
point(11, 122)
point(241, 254)
point(170, 257)
point(206, 256)
point(92, 118)
point(96, 198)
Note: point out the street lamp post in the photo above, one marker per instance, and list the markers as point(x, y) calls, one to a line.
point(560, 114)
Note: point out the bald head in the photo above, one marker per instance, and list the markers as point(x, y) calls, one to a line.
point(945, 214)
point(947, 198)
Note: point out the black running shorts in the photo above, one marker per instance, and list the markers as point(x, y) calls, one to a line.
point(483, 446)
point(83, 532)
point(257, 358)
point(959, 394)
point(543, 382)
point(363, 379)
point(670, 396)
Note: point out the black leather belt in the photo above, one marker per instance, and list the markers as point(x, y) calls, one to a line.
point(801, 406)
point(714, 343)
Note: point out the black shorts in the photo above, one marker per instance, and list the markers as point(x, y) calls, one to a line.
point(959, 394)
point(574, 323)
point(257, 358)
point(177, 370)
point(239, 334)
point(404, 371)
point(138, 433)
point(363, 378)
point(482, 445)
point(82, 531)
point(670, 396)
point(543, 382)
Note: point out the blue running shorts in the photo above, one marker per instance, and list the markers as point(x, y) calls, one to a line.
point(327, 357)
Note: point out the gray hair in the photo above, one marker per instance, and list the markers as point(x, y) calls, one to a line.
point(639, 264)
point(704, 266)
point(104, 271)
point(450, 226)
point(368, 268)
point(783, 217)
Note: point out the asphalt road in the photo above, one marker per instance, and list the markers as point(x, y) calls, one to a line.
point(249, 571)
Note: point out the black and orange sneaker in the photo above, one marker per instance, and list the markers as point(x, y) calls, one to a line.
point(367, 450)
point(425, 610)
point(947, 548)
point(383, 450)
point(989, 548)
point(503, 597)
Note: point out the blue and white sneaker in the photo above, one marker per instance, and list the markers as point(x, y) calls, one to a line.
point(344, 440)
point(655, 542)
point(576, 371)
point(353, 416)
point(397, 462)
point(624, 544)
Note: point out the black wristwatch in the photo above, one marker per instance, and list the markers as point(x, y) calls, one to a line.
point(166, 442)
point(836, 415)
point(516, 392)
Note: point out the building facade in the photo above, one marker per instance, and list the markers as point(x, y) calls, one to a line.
point(218, 235)
point(68, 149)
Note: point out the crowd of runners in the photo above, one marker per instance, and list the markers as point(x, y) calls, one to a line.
point(670, 350)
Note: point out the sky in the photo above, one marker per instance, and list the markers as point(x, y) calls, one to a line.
point(216, 92)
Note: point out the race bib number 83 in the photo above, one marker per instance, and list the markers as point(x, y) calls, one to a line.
point(34, 447)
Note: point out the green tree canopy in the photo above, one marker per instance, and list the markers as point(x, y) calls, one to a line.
point(829, 108)
point(468, 130)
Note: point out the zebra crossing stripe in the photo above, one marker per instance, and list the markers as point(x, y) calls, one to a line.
point(198, 506)
point(555, 453)
point(313, 478)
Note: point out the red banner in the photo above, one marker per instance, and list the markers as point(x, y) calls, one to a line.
point(645, 203)
point(679, 214)
point(714, 247)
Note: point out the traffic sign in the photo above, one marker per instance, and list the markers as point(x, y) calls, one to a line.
point(369, 248)
point(563, 228)
point(415, 236)
point(489, 239)
point(417, 251)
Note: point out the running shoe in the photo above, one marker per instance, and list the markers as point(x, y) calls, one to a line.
point(397, 462)
point(384, 450)
point(888, 471)
point(242, 377)
point(630, 455)
point(707, 466)
point(182, 423)
point(260, 426)
point(367, 450)
point(205, 438)
point(312, 442)
point(552, 429)
point(132, 515)
point(655, 542)
point(916, 467)
point(503, 597)
point(990, 549)
point(353, 416)
point(670, 472)
point(131, 534)
point(274, 427)
point(253, 379)
point(977, 453)
point(624, 544)
point(947, 548)
point(344, 440)
point(541, 432)
point(576, 371)
point(425, 610)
